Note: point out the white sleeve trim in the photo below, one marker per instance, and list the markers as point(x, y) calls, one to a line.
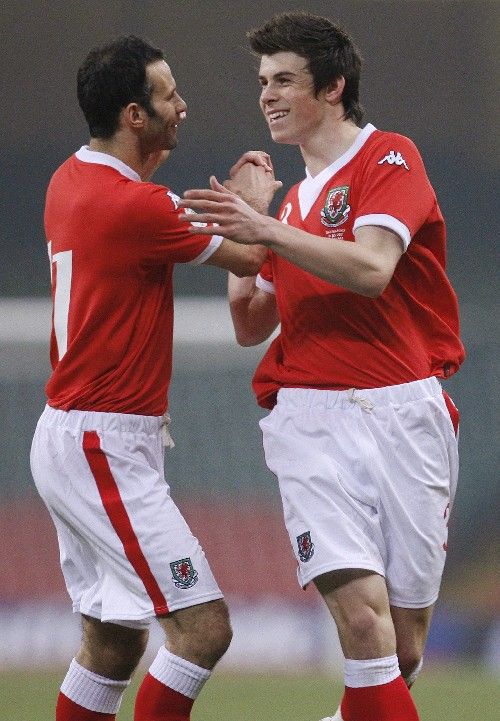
point(386, 221)
point(264, 285)
point(215, 242)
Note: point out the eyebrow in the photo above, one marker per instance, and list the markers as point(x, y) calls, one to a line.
point(280, 76)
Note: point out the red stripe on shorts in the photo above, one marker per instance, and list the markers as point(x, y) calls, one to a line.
point(117, 514)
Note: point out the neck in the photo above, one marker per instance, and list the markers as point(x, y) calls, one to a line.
point(325, 148)
point(127, 153)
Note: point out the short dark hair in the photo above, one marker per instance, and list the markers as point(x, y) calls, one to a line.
point(110, 78)
point(329, 50)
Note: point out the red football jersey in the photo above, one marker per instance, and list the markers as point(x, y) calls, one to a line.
point(113, 241)
point(333, 338)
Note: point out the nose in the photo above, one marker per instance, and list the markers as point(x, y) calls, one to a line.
point(181, 106)
point(267, 94)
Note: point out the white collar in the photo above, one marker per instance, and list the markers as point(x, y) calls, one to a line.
point(310, 187)
point(86, 155)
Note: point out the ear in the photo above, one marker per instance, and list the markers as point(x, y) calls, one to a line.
point(134, 116)
point(334, 90)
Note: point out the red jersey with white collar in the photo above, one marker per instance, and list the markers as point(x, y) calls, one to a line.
point(333, 338)
point(113, 241)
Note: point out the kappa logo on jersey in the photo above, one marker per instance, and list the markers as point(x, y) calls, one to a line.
point(305, 546)
point(174, 198)
point(394, 158)
point(190, 211)
point(336, 210)
point(183, 573)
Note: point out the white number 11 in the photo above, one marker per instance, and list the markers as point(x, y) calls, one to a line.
point(63, 261)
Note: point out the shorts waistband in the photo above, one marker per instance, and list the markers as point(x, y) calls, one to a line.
point(365, 397)
point(102, 421)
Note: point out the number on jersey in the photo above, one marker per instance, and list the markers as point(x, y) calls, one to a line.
point(62, 293)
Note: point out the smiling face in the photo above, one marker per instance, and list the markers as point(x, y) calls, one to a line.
point(292, 110)
point(160, 132)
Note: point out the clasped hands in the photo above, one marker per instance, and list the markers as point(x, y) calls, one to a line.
point(238, 205)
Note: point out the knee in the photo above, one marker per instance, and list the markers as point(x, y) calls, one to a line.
point(200, 634)
point(221, 641)
point(215, 634)
point(111, 650)
point(364, 623)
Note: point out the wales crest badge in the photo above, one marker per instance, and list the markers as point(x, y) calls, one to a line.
point(336, 209)
point(305, 546)
point(183, 573)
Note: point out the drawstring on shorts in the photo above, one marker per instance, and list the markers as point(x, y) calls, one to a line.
point(365, 405)
point(166, 438)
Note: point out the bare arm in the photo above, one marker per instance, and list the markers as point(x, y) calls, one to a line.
point(365, 267)
point(242, 260)
point(253, 311)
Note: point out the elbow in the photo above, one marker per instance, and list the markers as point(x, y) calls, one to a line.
point(375, 284)
point(246, 269)
point(251, 259)
point(246, 339)
point(373, 291)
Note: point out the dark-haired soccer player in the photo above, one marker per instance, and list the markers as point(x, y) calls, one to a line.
point(360, 436)
point(97, 458)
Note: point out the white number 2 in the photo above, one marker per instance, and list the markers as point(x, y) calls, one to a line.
point(63, 261)
point(286, 212)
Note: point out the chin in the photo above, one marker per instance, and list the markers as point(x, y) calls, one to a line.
point(283, 139)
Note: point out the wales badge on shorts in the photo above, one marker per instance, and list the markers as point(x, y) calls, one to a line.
point(183, 573)
point(305, 546)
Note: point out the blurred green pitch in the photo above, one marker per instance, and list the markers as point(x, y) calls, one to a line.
point(459, 693)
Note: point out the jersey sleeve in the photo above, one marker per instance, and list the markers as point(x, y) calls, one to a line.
point(396, 192)
point(264, 279)
point(164, 237)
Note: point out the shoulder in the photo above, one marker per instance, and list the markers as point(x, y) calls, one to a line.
point(159, 194)
point(63, 170)
point(389, 148)
point(150, 201)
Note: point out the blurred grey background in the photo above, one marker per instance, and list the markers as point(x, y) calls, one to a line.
point(431, 72)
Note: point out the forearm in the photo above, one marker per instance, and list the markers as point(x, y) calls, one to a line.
point(253, 311)
point(241, 260)
point(365, 266)
point(362, 267)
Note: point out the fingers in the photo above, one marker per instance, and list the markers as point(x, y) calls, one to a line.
point(257, 157)
point(199, 203)
point(205, 194)
point(215, 185)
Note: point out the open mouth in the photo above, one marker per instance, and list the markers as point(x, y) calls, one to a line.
point(276, 115)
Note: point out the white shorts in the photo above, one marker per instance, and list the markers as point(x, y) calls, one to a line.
point(127, 554)
point(367, 480)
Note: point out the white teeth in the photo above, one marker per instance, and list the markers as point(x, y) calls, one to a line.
point(277, 115)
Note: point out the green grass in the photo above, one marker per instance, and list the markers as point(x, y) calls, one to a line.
point(460, 693)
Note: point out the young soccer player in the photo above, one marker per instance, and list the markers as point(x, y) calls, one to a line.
point(97, 457)
point(361, 436)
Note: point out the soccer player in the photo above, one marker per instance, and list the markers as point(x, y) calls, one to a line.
point(361, 436)
point(97, 457)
